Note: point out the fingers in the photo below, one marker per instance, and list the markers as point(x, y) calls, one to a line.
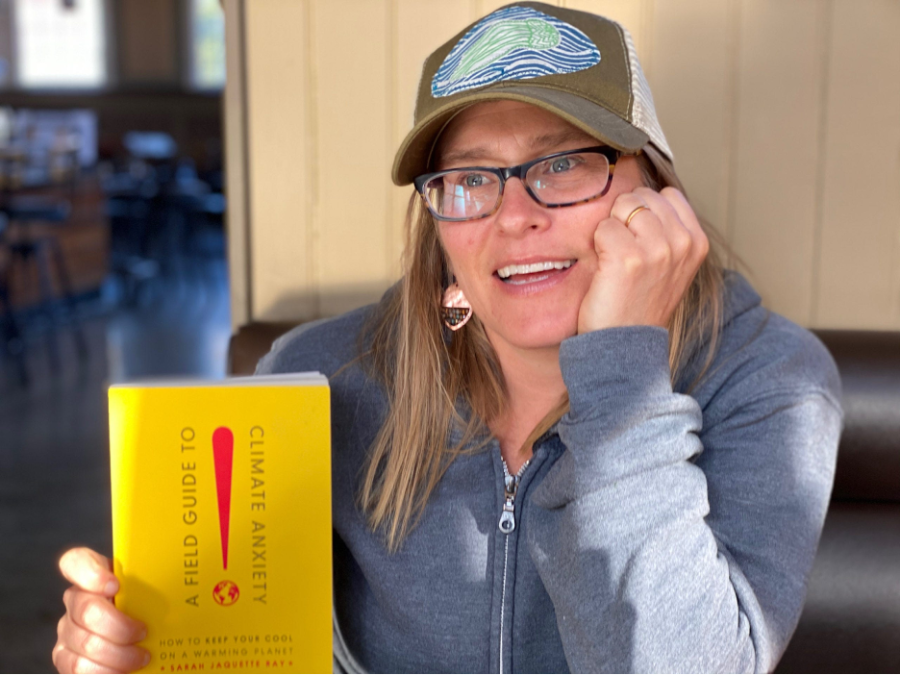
point(625, 205)
point(657, 219)
point(647, 228)
point(67, 661)
point(94, 636)
point(99, 616)
point(689, 219)
point(84, 651)
point(89, 571)
point(627, 202)
point(668, 229)
point(645, 268)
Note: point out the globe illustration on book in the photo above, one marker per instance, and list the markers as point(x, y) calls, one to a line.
point(226, 593)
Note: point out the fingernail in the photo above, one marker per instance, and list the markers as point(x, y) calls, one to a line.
point(111, 587)
point(146, 659)
point(142, 637)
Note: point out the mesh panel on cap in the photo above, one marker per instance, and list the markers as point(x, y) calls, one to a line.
point(643, 112)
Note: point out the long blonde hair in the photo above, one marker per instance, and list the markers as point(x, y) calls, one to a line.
point(426, 375)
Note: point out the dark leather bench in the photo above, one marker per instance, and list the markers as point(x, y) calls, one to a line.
point(851, 622)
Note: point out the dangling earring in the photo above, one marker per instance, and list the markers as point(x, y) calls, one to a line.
point(455, 309)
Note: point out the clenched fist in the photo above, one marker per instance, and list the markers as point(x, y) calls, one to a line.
point(644, 269)
point(94, 636)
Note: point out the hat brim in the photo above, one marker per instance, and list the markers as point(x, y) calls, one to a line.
point(414, 155)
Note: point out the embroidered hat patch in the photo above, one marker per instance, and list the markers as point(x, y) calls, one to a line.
point(516, 43)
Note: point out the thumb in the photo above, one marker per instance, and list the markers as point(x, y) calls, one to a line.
point(89, 571)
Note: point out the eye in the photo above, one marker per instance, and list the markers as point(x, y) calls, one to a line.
point(561, 164)
point(473, 180)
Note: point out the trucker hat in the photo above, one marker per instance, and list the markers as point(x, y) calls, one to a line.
point(579, 66)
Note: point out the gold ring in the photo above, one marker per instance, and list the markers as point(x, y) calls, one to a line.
point(634, 213)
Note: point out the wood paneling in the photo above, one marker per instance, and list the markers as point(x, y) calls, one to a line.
point(777, 145)
point(630, 13)
point(481, 8)
point(281, 180)
point(446, 18)
point(237, 176)
point(694, 55)
point(859, 263)
point(354, 150)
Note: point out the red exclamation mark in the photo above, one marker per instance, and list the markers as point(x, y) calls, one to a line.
point(223, 455)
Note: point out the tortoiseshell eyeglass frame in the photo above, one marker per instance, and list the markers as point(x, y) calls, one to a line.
point(505, 173)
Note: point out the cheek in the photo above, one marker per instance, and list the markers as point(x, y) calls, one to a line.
point(460, 246)
point(584, 224)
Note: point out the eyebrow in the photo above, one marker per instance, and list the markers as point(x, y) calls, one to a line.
point(541, 142)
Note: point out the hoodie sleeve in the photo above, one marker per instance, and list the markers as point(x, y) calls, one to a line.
point(672, 538)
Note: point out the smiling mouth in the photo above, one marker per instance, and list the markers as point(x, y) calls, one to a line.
point(529, 274)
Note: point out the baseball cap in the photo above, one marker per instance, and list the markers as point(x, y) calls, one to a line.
point(579, 66)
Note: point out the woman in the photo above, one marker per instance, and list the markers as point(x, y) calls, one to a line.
point(572, 442)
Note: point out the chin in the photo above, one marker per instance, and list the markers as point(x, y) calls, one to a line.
point(542, 334)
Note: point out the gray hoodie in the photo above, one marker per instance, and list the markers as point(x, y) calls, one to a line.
point(652, 530)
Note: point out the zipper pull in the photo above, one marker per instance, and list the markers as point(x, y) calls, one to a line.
point(510, 487)
point(508, 517)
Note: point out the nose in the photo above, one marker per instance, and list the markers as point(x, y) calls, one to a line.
point(518, 212)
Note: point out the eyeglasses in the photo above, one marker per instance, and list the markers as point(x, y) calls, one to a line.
point(557, 180)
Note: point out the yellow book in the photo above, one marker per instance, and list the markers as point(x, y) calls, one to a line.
point(221, 496)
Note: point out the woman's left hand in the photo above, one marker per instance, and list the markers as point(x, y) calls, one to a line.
point(644, 269)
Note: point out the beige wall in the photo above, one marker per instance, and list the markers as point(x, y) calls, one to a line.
point(784, 116)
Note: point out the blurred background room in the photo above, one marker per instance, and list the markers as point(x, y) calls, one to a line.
point(153, 209)
point(112, 261)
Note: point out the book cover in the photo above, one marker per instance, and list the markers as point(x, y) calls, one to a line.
point(221, 497)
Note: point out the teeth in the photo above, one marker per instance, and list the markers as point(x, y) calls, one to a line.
point(509, 270)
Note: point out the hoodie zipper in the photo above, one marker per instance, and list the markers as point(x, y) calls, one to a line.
point(507, 525)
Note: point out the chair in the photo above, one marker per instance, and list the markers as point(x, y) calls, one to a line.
point(851, 619)
point(13, 346)
point(30, 245)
